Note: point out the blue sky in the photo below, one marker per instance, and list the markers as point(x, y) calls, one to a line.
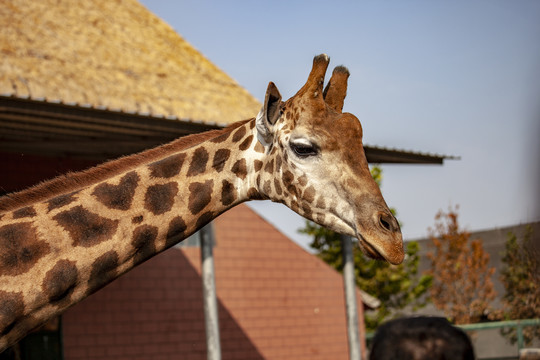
point(449, 77)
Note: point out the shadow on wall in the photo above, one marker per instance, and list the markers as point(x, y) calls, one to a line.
point(154, 311)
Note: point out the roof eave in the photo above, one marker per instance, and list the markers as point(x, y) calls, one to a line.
point(52, 127)
point(379, 155)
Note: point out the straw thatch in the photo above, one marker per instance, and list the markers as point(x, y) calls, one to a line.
point(115, 54)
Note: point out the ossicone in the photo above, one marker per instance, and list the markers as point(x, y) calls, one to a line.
point(336, 90)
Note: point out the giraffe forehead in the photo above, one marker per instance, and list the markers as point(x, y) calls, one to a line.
point(319, 120)
point(330, 131)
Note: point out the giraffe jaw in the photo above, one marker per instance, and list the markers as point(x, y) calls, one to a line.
point(372, 246)
point(388, 247)
point(368, 249)
point(374, 250)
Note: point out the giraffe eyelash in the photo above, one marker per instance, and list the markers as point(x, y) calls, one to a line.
point(303, 148)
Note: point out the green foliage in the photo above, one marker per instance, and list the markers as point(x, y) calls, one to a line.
point(396, 286)
point(520, 276)
point(376, 174)
point(326, 243)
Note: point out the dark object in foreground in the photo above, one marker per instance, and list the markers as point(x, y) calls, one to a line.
point(421, 338)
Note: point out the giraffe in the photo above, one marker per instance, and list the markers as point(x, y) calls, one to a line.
point(66, 238)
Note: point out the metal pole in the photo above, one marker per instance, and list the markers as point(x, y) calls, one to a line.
point(350, 298)
point(519, 336)
point(213, 346)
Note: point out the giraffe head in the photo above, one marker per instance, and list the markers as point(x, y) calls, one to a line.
point(316, 165)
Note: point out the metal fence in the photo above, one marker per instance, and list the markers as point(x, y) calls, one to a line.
point(516, 324)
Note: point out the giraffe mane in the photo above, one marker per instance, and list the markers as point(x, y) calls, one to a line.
point(73, 181)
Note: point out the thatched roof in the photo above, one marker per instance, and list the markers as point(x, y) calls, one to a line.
point(114, 54)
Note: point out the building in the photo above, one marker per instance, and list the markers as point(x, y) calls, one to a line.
point(84, 82)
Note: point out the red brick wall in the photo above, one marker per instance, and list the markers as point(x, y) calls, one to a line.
point(276, 301)
point(153, 312)
point(289, 302)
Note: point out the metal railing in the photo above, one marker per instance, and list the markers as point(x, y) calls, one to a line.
point(517, 324)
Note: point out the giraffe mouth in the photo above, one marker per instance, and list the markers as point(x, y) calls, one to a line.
point(369, 249)
point(392, 252)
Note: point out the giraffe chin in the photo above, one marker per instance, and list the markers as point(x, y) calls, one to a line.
point(369, 250)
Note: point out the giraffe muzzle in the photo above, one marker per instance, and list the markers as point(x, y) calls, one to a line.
point(383, 239)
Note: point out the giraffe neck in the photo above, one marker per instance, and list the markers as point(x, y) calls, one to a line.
point(56, 252)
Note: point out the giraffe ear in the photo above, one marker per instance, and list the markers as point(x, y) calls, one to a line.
point(269, 114)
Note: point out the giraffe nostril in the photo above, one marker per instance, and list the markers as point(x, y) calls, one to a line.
point(387, 222)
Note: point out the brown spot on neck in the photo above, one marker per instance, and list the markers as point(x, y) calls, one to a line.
point(278, 163)
point(288, 178)
point(60, 281)
point(254, 194)
point(118, 196)
point(228, 193)
point(198, 162)
point(259, 147)
point(288, 183)
point(200, 195)
point(86, 228)
point(269, 168)
point(302, 180)
point(240, 168)
point(244, 145)
point(309, 194)
point(277, 186)
point(239, 134)
point(61, 200)
point(204, 219)
point(168, 167)
point(20, 248)
point(267, 187)
point(137, 219)
point(321, 204)
point(176, 231)
point(104, 270)
point(160, 198)
point(220, 158)
point(143, 243)
point(28, 211)
point(306, 211)
point(11, 310)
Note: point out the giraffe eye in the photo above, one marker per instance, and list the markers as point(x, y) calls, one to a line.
point(304, 150)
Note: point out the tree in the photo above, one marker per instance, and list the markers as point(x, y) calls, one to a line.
point(396, 286)
point(520, 276)
point(462, 285)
